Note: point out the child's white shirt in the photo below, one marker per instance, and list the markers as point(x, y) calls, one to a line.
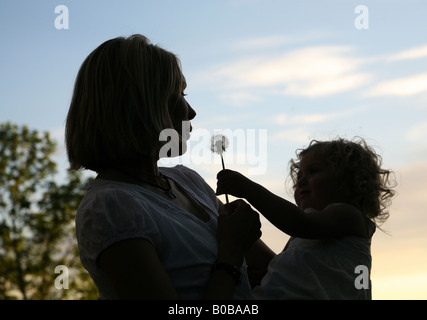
point(320, 269)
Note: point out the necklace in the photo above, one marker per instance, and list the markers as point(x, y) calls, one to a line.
point(168, 190)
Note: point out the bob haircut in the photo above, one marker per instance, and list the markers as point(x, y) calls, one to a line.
point(124, 95)
point(366, 184)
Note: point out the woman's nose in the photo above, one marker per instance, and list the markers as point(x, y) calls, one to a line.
point(191, 112)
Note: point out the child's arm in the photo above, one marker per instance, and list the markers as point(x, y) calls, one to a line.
point(283, 214)
point(335, 221)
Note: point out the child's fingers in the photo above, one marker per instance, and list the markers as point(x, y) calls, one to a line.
point(218, 188)
point(221, 188)
point(221, 184)
point(224, 173)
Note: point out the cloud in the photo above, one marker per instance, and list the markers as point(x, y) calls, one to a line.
point(274, 41)
point(285, 119)
point(298, 135)
point(299, 127)
point(309, 118)
point(406, 86)
point(310, 72)
point(263, 42)
point(413, 53)
point(316, 87)
point(239, 98)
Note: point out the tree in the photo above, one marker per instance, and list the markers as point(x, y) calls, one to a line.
point(37, 219)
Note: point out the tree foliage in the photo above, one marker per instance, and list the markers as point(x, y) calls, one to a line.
point(37, 220)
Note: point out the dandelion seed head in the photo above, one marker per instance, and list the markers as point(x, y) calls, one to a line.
point(219, 143)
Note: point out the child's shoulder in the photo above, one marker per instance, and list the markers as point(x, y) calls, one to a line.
point(344, 207)
point(346, 210)
point(337, 207)
point(354, 214)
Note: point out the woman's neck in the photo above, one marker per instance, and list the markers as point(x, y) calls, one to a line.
point(146, 170)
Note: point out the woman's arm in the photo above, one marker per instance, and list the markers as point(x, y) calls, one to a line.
point(135, 270)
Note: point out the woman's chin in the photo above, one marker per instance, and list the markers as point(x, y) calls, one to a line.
point(173, 150)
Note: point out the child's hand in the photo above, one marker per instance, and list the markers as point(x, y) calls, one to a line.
point(233, 183)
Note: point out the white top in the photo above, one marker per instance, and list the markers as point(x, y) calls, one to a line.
point(112, 211)
point(318, 269)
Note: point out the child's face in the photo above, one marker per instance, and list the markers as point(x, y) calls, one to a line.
point(317, 184)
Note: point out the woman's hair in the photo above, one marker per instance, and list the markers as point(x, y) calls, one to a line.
point(368, 186)
point(124, 96)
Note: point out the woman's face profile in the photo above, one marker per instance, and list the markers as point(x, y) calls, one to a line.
point(181, 115)
point(183, 112)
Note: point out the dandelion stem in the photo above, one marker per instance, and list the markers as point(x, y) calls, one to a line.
point(223, 167)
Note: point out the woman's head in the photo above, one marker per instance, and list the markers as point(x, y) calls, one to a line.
point(354, 171)
point(125, 94)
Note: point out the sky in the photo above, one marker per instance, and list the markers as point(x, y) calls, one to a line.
point(269, 74)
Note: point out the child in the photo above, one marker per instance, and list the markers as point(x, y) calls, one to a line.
point(339, 190)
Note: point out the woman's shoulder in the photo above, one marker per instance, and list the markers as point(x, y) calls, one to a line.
point(179, 170)
point(103, 188)
point(113, 207)
point(109, 197)
point(183, 174)
point(194, 183)
point(112, 211)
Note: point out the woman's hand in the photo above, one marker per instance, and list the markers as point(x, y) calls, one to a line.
point(238, 229)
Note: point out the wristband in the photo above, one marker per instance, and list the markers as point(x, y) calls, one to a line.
point(233, 271)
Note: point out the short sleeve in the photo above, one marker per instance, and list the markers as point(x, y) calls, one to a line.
point(108, 216)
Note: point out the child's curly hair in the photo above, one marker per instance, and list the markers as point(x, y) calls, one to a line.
point(368, 186)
